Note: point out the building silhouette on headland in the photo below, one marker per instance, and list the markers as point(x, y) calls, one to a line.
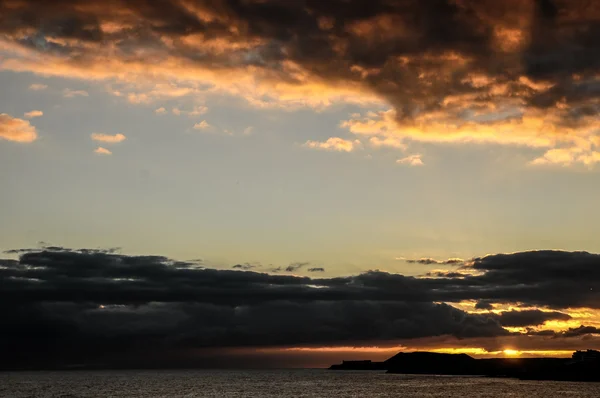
point(587, 355)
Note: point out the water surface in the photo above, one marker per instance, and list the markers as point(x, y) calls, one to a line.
point(274, 383)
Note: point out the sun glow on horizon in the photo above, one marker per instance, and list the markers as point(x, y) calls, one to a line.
point(477, 352)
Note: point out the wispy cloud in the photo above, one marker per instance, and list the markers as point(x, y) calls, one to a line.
point(296, 266)
point(38, 87)
point(391, 142)
point(17, 130)
point(429, 261)
point(334, 144)
point(108, 138)
point(160, 111)
point(198, 110)
point(203, 125)
point(32, 114)
point(567, 157)
point(68, 93)
point(412, 160)
point(102, 151)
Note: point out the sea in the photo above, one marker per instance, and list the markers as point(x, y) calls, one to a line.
point(274, 383)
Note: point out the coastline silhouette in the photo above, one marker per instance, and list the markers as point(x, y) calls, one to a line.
point(582, 366)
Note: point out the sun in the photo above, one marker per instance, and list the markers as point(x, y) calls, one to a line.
point(510, 352)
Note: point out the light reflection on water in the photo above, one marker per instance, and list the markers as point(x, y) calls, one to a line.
point(273, 383)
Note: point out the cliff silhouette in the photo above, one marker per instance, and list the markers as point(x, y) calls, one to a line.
point(583, 366)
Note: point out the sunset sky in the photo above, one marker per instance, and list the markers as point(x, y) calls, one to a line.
point(297, 182)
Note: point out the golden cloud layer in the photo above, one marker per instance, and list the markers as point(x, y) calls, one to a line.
point(516, 72)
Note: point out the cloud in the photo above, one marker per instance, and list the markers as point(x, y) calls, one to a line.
point(505, 74)
point(38, 87)
point(528, 317)
point(578, 331)
point(248, 130)
point(484, 305)
point(387, 142)
point(203, 125)
point(108, 138)
point(412, 160)
point(198, 110)
point(334, 144)
point(296, 266)
point(245, 266)
point(316, 269)
point(93, 305)
point(61, 305)
point(555, 279)
point(32, 114)
point(17, 130)
point(567, 157)
point(102, 151)
point(429, 261)
point(68, 93)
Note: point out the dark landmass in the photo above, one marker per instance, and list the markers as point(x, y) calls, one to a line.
point(583, 366)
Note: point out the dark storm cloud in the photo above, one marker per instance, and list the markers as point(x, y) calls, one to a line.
point(384, 46)
point(556, 279)
point(580, 331)
point(316, 269)
point(69, 303)
point(65, 304)
point(544, 278)
point(528, 317)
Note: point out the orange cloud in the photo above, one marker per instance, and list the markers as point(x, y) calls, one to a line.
point(203, 125)
point(387, 142)
point(198, 110)
point(530, 128)
point(32, 114)
point(17, 130)
point(412, 160)
point(567, 157)
point(108, 138)
point(334, 144)
point(38, 87)
point(102, 151)
point(68, 93)
point(498, 73)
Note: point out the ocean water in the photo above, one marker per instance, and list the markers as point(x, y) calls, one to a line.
point(274, 383)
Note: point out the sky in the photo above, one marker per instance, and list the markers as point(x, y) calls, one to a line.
point(235, 147)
